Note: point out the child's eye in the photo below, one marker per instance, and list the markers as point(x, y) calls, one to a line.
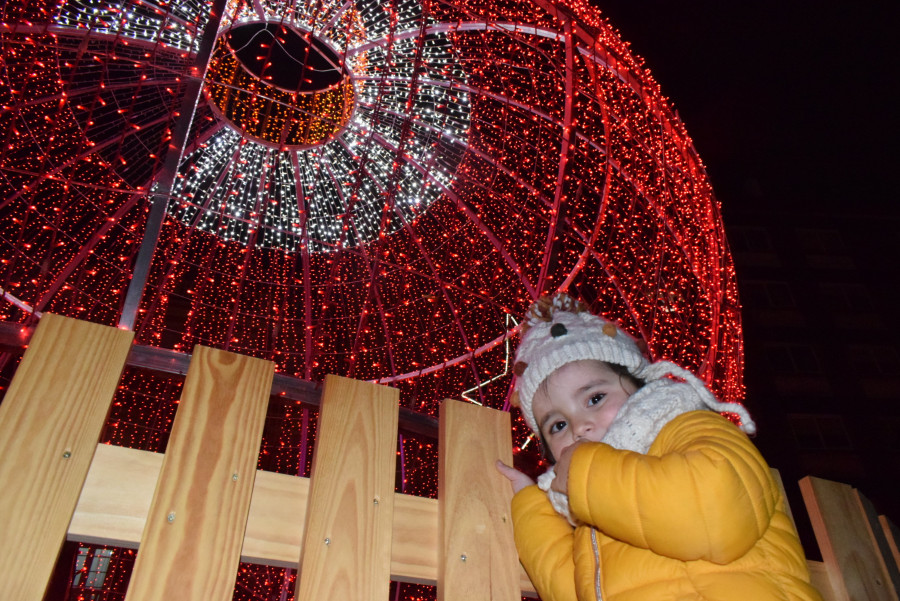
point(596, 399)
point(557, 427)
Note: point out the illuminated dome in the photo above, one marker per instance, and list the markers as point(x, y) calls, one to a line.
point(374, 189)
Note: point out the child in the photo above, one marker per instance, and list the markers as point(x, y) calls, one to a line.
point(653, 497)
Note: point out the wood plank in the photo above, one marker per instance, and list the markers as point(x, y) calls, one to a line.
point(114, 504)
point(50, 422)
point(347, 544)
point(892, 535)
point(119, 488)
point(118, 491)
point(821, 580)
point(848, 551)
point(276, 524)
point(116, 497)
point(877, 536)
point(191, 544)
point(477, 557)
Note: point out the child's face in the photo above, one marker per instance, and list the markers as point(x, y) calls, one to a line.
point(578, 402)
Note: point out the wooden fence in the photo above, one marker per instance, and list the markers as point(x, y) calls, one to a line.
point(201, 508)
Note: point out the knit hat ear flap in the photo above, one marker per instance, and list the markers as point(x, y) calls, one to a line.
point(660, 369)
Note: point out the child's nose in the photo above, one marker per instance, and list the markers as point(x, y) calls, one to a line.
point(582, 428)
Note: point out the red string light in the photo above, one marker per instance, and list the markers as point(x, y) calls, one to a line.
point(495, 151)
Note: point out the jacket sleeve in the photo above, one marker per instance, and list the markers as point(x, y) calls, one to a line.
point(703, 491)
point(544, 540)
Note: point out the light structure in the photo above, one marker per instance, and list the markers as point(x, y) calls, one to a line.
point(370, 188)
point(298, 106)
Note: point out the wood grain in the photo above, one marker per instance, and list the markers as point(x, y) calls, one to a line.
point(821, 580)
point(850, 555)
point(347, 545)
point(50, 421)
point(117, 493)
point(478, 559)
point(276, 524)
point(191, 544)
point(114, 504)
point(892, 536)
point(881, 542)
point(116, 497)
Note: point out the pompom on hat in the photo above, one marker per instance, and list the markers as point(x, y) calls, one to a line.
point(559, 330)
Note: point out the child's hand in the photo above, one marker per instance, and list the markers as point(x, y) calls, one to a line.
point(517, 478)
point(561, 482)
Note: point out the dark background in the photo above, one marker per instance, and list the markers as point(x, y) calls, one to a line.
point(787, 102)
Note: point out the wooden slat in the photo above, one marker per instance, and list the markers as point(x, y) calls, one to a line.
point(50, 421)
point(191, 545)
point(119, 488)
point(892, 535)
point(116, 497)
point(880, 541)
point(821, 580)
point(478, 559)
point(347, 545)
point(118, 491)
point(850, 555)
point(276, 524)
point(114, 504)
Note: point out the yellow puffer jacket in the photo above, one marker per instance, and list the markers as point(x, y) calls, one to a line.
point(698, 517)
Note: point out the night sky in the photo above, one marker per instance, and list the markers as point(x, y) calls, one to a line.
point(793, 103)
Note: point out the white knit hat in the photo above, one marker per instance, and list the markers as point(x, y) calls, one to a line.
point(560, 330)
